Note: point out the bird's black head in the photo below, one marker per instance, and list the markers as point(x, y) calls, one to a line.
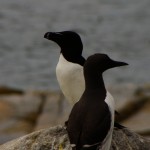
point(94, 66)
point(69, 42)
point(101, 62)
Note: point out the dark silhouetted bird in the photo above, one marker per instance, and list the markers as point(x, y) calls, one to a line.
point(91, 121)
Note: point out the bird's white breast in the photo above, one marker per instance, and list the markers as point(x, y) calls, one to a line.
point(110, 102)
point(70, 78)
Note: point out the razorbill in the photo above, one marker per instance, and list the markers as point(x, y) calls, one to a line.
point(91, 121)
point(69, 70)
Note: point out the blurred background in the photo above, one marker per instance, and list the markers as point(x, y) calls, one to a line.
point(30, 97)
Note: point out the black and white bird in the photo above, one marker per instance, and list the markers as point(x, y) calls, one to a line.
point(69, 70)
point(91, 121)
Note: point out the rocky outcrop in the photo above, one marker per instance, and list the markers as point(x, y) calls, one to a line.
point(140, 98)
point(56, 139)
point(136, 111)
point(33, 110)
point(10, 91)
point(21, 114)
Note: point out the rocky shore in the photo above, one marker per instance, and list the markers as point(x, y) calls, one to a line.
point(56, 139)
point(23, 112)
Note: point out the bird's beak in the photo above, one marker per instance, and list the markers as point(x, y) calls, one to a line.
point(117, 64)
point(51, 35)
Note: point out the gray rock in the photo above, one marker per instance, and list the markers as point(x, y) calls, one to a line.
point(4, 90)
point(56, 139)
point(18, 114)
point(53, 111)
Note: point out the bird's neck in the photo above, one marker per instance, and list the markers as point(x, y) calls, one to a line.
point(73, 58)
point(95, 81)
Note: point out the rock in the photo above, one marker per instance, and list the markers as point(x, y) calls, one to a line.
point(18, 114)
point(143, 90)
point(56, 138)
point(125, 139)
point(34, 110)
point(140, 122)
point(6, 110)
point(55, 111)
point(121, 93)
point(135, 113)
point(9, 91)
point(132, 107)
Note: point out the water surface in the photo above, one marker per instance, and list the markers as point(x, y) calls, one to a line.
point(119, 28)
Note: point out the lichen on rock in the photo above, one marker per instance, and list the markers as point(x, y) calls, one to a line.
point(55, 138)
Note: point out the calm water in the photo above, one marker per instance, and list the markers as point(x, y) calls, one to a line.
point(119, 28)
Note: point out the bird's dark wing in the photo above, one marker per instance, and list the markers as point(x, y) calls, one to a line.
point(88, 124)
point(96, 125)
point(74, 124)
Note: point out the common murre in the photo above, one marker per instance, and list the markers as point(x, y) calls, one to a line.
point(69, 70)
point(91, 121)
